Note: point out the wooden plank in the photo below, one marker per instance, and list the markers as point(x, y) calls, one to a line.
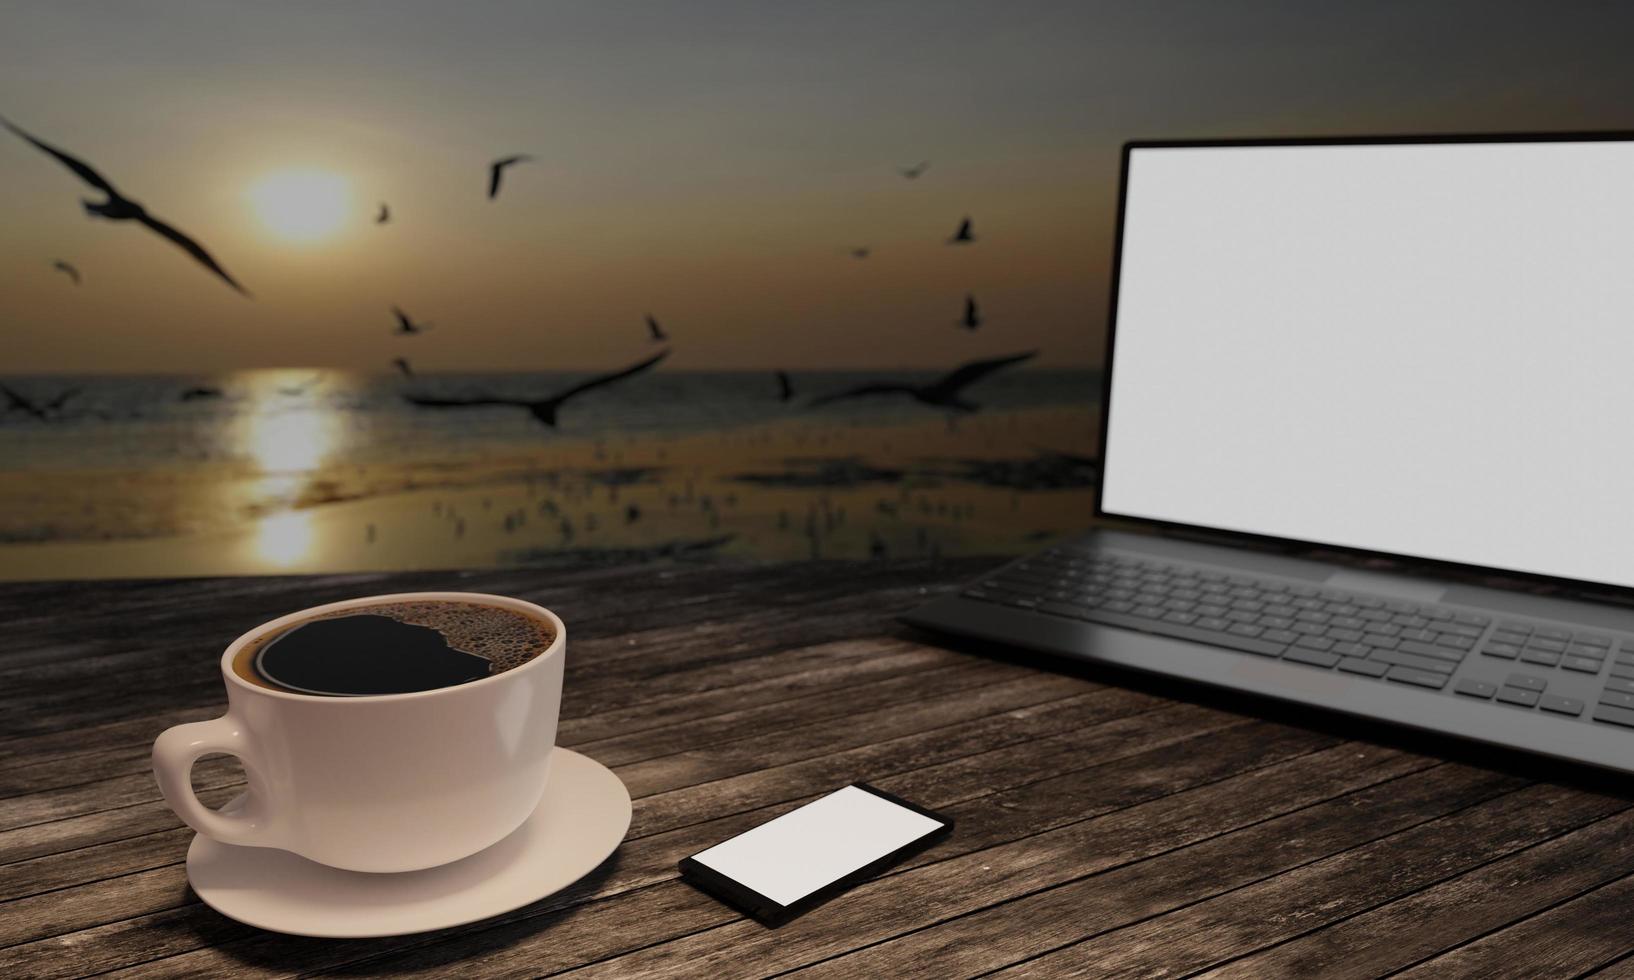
point(1395, 936)
point(1571, 938)
point(702, 938)
point(1248, 918)
point(650, 862)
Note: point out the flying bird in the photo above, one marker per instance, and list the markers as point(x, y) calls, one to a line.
point(121, 208)
point(861, 253)
point(406, 326)
point(402, 365)
point(17, 403)
point(384, 215)
point(963, 236)
point(67, 269)
point(912, 173)
point(543, 409)
point(973, 314)
point(785, 387)
point(654, 331)
point(944, 392)
point(496, 168)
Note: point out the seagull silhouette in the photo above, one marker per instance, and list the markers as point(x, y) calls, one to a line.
point(68, 269)
point(402, 365)
point(118, 207)
point(973, 314)
point(18, 403)
point(785, 387)
point(406, 326)
point(944, 392)
point(498, 167)
point(543, 409)
point(654, 331)
point(963, 236)
point(912, 173)
point(861, 253)
point(384, 215)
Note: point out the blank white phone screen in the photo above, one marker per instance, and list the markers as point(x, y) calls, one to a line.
point(791, 856)
point(1426, 350)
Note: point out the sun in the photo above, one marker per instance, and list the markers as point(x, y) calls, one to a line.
point(302, 206)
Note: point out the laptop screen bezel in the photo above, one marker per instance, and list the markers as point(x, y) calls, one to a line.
point(1226, 535)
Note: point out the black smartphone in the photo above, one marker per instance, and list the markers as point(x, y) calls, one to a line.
point(791, 864)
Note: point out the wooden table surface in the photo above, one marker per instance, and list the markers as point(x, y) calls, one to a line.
point(1106, 823)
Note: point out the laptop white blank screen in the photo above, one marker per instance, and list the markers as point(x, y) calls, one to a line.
point(1419, 349)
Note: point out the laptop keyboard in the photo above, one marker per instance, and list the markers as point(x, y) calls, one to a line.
point(1328, 629)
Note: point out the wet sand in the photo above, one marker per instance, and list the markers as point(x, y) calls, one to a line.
point(991, 483)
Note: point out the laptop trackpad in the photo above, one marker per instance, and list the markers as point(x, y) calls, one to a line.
point(1386, 585)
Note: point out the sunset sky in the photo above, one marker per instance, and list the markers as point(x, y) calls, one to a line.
point(711, 163)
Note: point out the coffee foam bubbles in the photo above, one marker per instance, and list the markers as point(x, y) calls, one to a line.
point(503, 637)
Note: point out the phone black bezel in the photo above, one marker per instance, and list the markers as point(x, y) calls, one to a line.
point(773, 914)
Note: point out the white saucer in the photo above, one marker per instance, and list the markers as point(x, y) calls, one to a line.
point(581, 820)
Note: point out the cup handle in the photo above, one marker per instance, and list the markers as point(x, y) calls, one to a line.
point(174, 753)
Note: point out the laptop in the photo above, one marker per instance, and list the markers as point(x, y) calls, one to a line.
point(1412, 354)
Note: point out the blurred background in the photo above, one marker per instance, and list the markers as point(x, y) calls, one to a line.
point(818, 212)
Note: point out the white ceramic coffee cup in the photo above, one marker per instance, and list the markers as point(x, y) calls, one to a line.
point(392, 782)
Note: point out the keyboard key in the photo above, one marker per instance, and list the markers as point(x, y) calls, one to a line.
point(1616, 699)
point(1212, 623)
point(1426, 650)
point(1516, 627)
point(1550, 633)
point(1314, 643)
point(1526, 682)
point(1540, 657)
point(1618, 684)
point(1503, 636)
point(1592, 639)
point(1585, 650)
point(1429, 664)
point(1245, 644)
point(1582, 665)
point(1411, 621)
point(1245, 629)
point(1422, 678)
point(1315, 658)
point(1507, 651)
point(1459, 629)
point(1623, 671)
point(1148, 611)
point(1275, 622)
point(1350, 649)
point(1309, 629)
point(1417, 635)
point(1356, 665)
point(1453, 641)
point(1552, 646)
point(1382, 642)
point(1560, 705)
point(1470, 619)
point(1183, 618)
point(1616, 716)
point(1475, 688)
point(1279, 636)
point(1344, 636)
point(1347, 622)
point(1517, 695)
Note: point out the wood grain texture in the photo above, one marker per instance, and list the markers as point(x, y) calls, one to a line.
point(1105, 825)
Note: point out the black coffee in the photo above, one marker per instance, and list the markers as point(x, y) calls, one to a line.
point(394, 648)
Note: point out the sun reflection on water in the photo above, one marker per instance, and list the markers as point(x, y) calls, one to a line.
point(288, 432)
point(284, 539)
